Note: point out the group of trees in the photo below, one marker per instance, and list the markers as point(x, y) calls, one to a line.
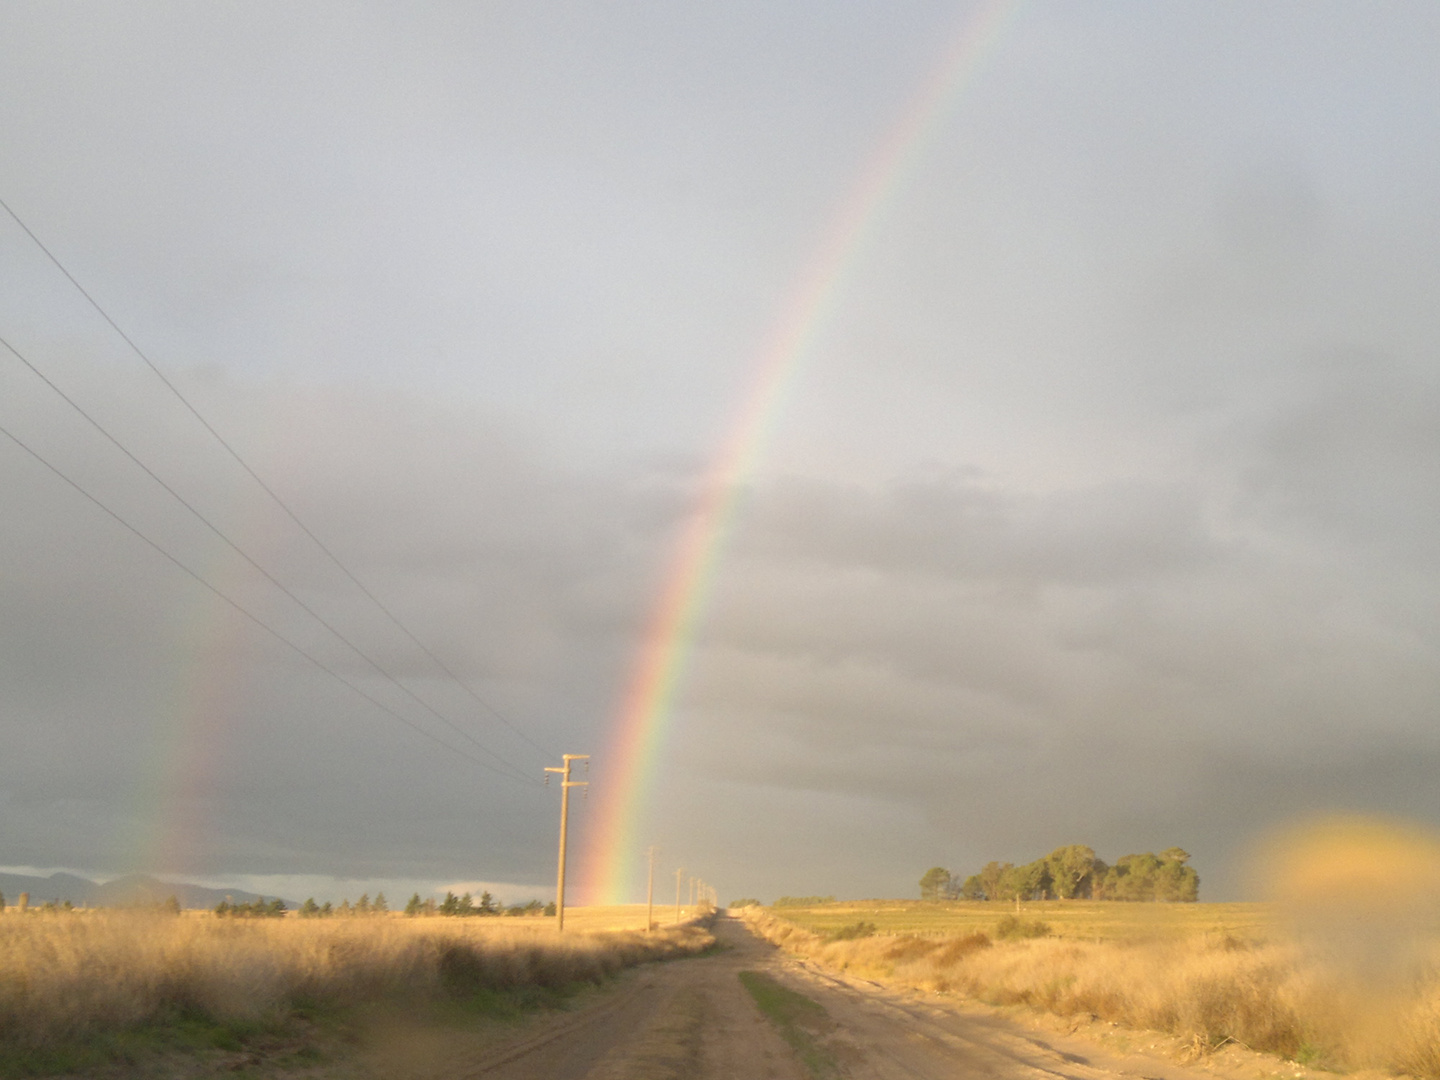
point(364, 906)
point(255, 909)
point(168, 906)
point(451, 905)
point(466, 905)
point(49, 905)
point(1072, 873)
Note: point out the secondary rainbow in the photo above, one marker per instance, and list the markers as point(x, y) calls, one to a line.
point(613, 859)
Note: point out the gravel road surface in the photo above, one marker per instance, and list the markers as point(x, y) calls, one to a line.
point(694, 1019)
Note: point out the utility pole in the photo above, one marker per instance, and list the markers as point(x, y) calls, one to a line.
point(692, 890)
point(678, 871)
point(565, 785)
point(650, 894)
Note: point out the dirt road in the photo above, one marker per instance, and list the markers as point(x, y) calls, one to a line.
point(696, 1019)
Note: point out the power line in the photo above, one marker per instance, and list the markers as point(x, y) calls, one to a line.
point(244, 555)
point(464, 685)
point(249, 614)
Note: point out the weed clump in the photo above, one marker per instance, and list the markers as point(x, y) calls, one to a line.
point(854, 931)
point(1014, 928)
point(956, 949)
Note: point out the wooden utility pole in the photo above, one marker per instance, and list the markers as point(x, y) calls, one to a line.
point(650, 894)
point(565, 785)
point(692, 890)
point(678, 871)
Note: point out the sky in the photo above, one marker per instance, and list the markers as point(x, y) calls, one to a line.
point(1101, 507)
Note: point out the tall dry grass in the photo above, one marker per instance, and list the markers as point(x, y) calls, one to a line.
point(1280, 998)
point(68, 976)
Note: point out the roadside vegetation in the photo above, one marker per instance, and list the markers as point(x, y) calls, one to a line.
point(1211, 974)
point(81, 989)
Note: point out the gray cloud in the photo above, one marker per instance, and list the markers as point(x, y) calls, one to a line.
point(1101, 507)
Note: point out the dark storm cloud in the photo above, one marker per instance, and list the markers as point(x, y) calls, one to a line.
point(1135, 664)
point(526, 578)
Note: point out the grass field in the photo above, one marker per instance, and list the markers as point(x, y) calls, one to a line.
point(85, 989)
point(1358, 992)
point(1080, 920)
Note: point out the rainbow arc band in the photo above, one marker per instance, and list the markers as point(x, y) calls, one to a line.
point(613, 858)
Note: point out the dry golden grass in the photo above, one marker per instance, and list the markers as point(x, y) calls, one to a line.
point(66, 977)
point(1283, 997)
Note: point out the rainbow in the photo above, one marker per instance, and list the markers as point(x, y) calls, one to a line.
point(612, 859)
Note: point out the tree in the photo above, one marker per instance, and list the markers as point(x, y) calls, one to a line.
point(380, 907)
point(451, 904)
point(2, 901)
point(973, 889)
point(412, 908)
point(170, 907)
point(550, 908)
point(326, 909)
point(488, 904)
point(990, 877)
point(934, 883)
point(1072, 871)
point(1134, 877)
point(1028, 882)
point(362, 906)
point(1174, 881)
point(309, 909)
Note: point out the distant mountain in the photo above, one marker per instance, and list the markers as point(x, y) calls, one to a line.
point(125, 891)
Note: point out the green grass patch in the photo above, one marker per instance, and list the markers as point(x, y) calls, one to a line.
point(801, 1022)
point(307, 1035)
point(185, 1035)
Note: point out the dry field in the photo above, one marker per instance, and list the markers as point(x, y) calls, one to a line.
point(1357, 997)
point(78, 989)
point(621, 917)
point(1082, 920)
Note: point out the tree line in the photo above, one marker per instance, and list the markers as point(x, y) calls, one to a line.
point(452, 905)
point(467, 905)
point(1073, 872)
point(258, 908)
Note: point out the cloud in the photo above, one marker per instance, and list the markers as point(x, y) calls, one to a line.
point(1104, 503)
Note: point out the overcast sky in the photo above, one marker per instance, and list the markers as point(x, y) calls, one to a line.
point(1104, 509)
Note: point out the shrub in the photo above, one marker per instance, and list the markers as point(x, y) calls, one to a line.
point(1014, 928)
point(854, 931)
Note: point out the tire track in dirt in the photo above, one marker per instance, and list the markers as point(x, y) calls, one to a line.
point(689, 1019)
